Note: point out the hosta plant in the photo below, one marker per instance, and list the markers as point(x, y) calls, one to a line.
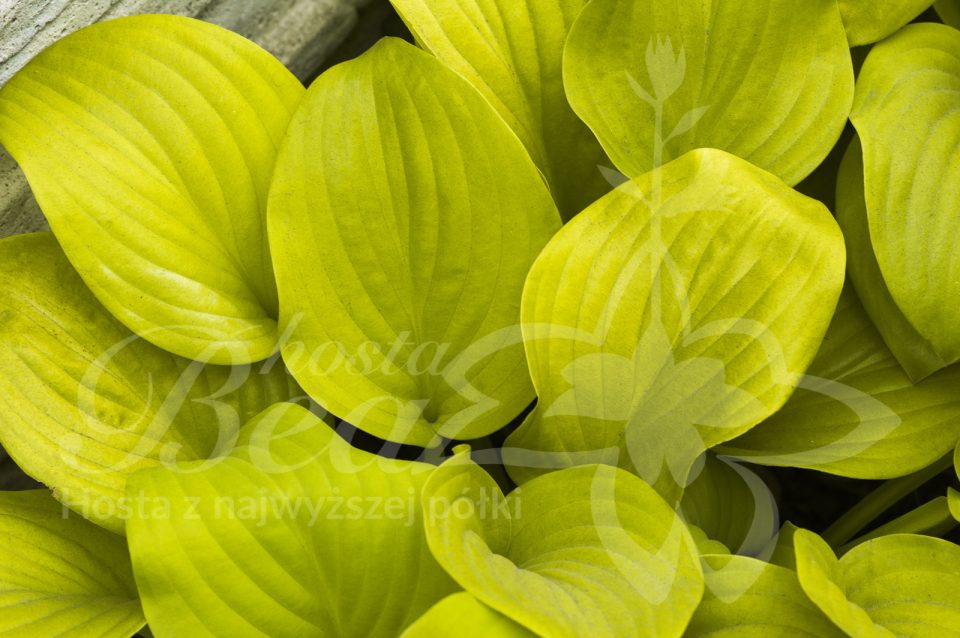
point(540, 326)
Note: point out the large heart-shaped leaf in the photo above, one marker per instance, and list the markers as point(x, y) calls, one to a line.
point(464, 616)
point(419, 214)
point(586, 551)
point(766, 80)
point(149, 142)
point(294, 534)
point(869, 21)
point(915, 353)
point(900, 585)
point(732, 505)
point(907, 117)
point(856, 412)
point(747, 598)
point(672, 315)
point(60, 575)
point(84, 402)
point(513, 52)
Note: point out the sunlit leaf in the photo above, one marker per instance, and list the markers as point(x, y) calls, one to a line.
point(764, 80)
point(732, 505)
point(60, 575)
point(869, 21)
point(909, 125)
point(917, 355)
point(512, 52)
point(149, 142)
point(650, 339)
point(463, 616)
point(84, 402)
point(294, 534)
point(418, 214)
point(586, 551)
point(856, 412)
point(747, 598)
point(902, 585)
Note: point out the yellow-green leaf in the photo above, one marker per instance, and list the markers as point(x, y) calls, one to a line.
point(909, 125)
point(869, 21)
point(84, 402)
point(747, 598)
point(513, 53)
point(295, 533)
point(60, 575)
point(856, 412)
point(674, 314)
point(902, 585)
point(767, 80)
point(586, 551)
point(464, 616)
point(149, 142)
point(417, 214)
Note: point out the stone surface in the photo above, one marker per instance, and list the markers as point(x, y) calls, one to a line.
point(301, 33)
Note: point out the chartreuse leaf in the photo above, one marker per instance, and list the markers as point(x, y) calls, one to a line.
point(869, 21)
point(732, 505)
point(420, 214)
point(915, 353)
point(856, 412)
point(60, 575)
point(748, 598)
point(762, 80)
point(149, 142)
point(513, 52)
point(464, 616)
point(674, 314)
point(84, 402)
point(909, 125)
point(294, 534)
point(585, 551)
point(781, 549)
point(898, 585)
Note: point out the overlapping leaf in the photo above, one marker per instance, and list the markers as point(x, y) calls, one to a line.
point(915, 353)
point(464, 616)
point(650, 340)
point(513, 52)
point(60, 575)
point(404, 216)
point(149, 142)
point(84, 402)
point(747, 598)
point(909, 125)
point(900, 585)
point(294, 534)
point(867, 21)
point(856, 412)
point(732, 505)
point(764, 80)
point(586, 551)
